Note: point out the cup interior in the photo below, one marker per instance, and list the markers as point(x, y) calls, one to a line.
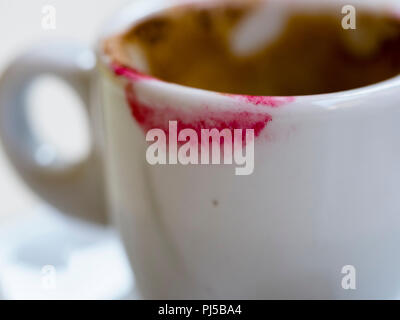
point(263, 48)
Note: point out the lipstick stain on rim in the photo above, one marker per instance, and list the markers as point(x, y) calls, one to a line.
point(263, 100)
point(149, 117)
point(129, 73)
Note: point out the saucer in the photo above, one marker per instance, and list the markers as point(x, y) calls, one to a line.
point(50, 256)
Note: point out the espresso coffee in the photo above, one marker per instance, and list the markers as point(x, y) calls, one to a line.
point(311, 54)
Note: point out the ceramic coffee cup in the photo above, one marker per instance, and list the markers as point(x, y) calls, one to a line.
point(323, 197)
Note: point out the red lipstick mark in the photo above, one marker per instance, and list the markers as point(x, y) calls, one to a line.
point(129, 73)
point(158, 118)
point(265, 101)
point(149, 117)
point(269, 101)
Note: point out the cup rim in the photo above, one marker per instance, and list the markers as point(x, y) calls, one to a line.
point(154, 7)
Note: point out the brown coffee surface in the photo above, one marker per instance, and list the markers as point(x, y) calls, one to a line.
point(313, 53)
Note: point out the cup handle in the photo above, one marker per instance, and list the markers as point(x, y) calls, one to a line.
point(73, 188)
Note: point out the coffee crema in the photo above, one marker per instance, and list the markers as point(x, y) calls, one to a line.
point(312, 54)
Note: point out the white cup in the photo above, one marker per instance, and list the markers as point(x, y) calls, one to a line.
point(320, 212)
